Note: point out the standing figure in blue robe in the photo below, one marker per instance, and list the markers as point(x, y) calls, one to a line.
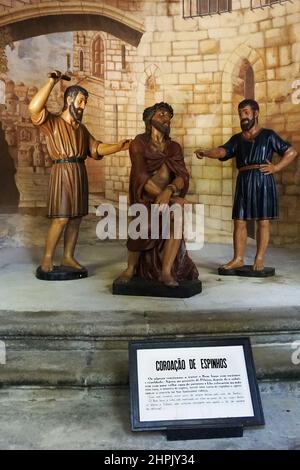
point(255, 194)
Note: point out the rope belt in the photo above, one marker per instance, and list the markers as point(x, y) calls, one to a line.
point(70, 160)
point(249, 167)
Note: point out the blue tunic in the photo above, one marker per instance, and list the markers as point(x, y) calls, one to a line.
point(255, 193)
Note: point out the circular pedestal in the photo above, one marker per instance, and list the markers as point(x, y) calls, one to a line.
point(61, 273)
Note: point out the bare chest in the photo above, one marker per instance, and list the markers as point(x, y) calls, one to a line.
point(162, 176)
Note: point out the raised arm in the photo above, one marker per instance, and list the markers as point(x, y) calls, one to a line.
point(219, 152)
point(38, 102)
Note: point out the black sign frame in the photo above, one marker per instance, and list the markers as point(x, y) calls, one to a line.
point(213, 427)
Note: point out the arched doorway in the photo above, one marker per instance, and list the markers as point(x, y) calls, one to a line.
point(243, 86)
point(244, 76)
point(9, 194)
point(150, 90)
point(81, 63)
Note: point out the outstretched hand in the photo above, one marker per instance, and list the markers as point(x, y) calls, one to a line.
point(268, 169)
point(199, 153)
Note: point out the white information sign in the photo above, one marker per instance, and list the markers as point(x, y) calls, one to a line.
point(193, 383)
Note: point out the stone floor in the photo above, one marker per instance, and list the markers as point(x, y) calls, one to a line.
point(99, 419)
point(21, 291)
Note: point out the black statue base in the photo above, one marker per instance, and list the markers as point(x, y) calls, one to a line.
point(61, 273)
point(141, 287)
point(204, 433)
point(247, 271)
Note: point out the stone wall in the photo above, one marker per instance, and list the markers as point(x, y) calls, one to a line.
point(111, 112)
point(120, 114)
point(196, 65)
point(201, 67)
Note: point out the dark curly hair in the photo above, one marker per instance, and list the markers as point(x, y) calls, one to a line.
point(151, 110)
point(248, 102)
point(73, 92)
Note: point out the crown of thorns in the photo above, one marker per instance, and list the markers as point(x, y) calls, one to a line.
point(149, 112)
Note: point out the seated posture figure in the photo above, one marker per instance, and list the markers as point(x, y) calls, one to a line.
point(158, 176)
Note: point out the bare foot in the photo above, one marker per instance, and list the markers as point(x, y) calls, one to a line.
point(168, 280)
point(234, 264)
point(126, 275)
point(258, 264)
point(71, 263)
point(47, 264)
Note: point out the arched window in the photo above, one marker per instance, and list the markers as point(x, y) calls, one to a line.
point(81, 61)
point(98, 57)
point(244, 80)
point(150, 89)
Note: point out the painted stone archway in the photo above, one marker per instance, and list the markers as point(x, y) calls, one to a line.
point(39, 18)
point(97, 17)
point(242, 53)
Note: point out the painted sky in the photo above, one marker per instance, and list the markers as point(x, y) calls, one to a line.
point(33, 58)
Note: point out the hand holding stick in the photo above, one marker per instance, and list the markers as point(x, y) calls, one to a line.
point(57, 75)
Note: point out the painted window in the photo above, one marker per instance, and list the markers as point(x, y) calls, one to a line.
point(81, 61)
point(98, 57)
point(123, 57)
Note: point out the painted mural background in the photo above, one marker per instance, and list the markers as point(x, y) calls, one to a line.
point(28, 66)
point(130, 54)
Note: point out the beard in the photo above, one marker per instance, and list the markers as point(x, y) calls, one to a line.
point(76, 113)
point(163, 128)
point(247, 124)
